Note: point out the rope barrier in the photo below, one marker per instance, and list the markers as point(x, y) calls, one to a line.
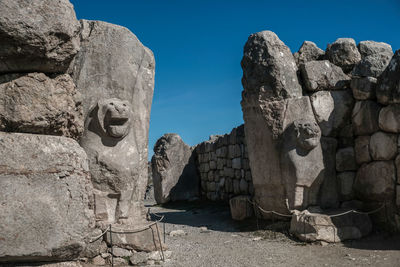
point(331, 216)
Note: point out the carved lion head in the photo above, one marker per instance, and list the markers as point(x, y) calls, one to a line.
point(114, 116)
point(308, 133)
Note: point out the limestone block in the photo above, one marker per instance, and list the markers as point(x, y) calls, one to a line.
point(236, 187)
point(221, 152)
point(238, 174)
point(375, 58)
point(345, 159)
point(332, 110)
point(389, 118)
point(35, 103)
point(343, 53)
point(313, 227)
point(346, 180)
point(228, 185)
point(213, 165)
point(375, 181)
point(237, 163)
point(308, 52)
point(241, 208)
point(363, 87)
point(211, 176)
point(388, 86)
point(47, 198)
point(268, 63)
point(243, 186)
point(383, 146)
point(40, 36)
point(361, 149)
point(365, 117)
point(329, 197)
point(229, 172)
point(323, 75)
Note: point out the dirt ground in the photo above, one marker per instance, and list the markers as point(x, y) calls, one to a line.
point(225, 242)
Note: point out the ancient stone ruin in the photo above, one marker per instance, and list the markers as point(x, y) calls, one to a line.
point(319, 146)
point(74, 115)
point(320, 140)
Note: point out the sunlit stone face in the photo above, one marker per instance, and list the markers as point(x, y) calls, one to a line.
point(115, 117)
point(308, 134)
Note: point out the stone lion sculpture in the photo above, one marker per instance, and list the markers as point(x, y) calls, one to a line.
point(111, 149)
point(302, 160)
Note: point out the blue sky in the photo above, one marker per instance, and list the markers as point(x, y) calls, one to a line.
point(198, 45)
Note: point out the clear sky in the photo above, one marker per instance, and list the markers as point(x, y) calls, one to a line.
point(198, 45)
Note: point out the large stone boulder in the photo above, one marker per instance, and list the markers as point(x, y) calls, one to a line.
point(35, 103)
point(174, 171)
point(383, 146)
point(389, 118)
point(241, 207)
point(343, 53)
point(41, 35)
point(115, 74)
point(269, 68)
point(375, 58)
point(318, 226)
point(332, 110)
point(365, 117)
point(363, 87)
point(375, 181)
point(388, 88)
point(323, 75)
point(308, 51)
point(46, 198)
point(361, 149)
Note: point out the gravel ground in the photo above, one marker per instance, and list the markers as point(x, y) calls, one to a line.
point(212, 238)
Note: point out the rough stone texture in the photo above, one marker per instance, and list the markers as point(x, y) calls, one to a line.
point(388, 88)
point(329, 197)
point(365, 117)
point(323, 75)
point(361, 149)
point(40, 35)
point(363, 87)
point(346, 181)
point(308, 52)
point(375, 58)
point(266, 124)
point(302, 166)
point(241, 207)
point(345, 160)
point(389, 118)
point(320, 227)
point(375, 181)
point(174, 170)
point(46, 212)
point(383, 146)
point(332, 110)
point(115, 74)
point(228, 178)
point(343, 53)
point(269, 69)
point(144, 238)
point(34, 103)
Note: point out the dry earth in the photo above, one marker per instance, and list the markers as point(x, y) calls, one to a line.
point(229, 243)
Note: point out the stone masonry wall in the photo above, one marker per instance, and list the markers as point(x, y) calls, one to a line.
point(223, 165)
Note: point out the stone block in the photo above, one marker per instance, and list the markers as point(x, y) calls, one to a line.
point(383, 146)
point(240, 207)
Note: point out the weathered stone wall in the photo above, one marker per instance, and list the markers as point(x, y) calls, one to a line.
point(352, 93)
point(223, 165)
point(91, 84)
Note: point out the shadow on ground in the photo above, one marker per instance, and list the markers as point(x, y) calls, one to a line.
point(216, 217)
